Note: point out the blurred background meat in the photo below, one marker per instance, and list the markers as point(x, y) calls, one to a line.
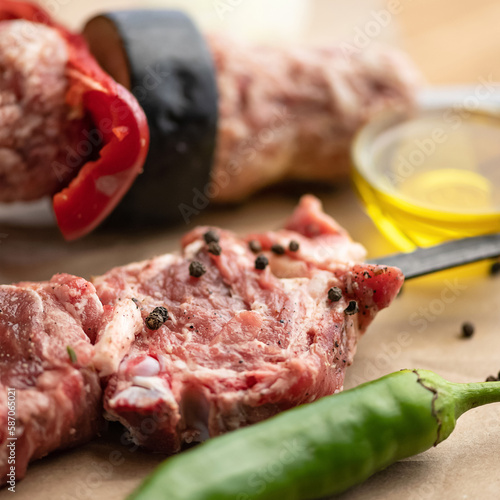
point(39, 134)
point(284, 112)
point(292, 112)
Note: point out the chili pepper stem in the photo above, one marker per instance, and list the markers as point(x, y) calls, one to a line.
point(468, 396)
point(452, 400)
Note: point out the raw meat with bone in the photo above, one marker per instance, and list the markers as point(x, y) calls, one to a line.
point(239, 344)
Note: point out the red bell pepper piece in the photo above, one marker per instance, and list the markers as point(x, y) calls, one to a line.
point(120, 121)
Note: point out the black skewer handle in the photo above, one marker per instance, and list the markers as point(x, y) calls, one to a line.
point(445, 256)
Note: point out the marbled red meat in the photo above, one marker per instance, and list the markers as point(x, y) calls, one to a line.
point(239, 344)
point(57, 400)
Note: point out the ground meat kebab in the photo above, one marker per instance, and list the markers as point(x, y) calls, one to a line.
point(282, 112)
point(291, 113)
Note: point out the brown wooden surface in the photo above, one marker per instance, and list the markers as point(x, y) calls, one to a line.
point(452, 41)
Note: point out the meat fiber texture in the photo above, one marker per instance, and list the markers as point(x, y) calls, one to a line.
point(292, 112)
point(240, 344)
point(49, 399)
point(40, 135)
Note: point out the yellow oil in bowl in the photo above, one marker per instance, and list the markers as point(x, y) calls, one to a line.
point(431, 177)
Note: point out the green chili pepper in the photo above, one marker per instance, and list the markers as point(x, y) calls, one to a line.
point(322, 448)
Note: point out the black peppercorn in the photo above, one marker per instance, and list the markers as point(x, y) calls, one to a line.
point(335, 294)
point(495, 268)
point(214, 248)
point(467, 329)
point(255, 246)
point(156, 318)
point(352, 308)
point(196, 269)
point(261, 262)
point(211, 236)
point(293, 246)
point(278, 249)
